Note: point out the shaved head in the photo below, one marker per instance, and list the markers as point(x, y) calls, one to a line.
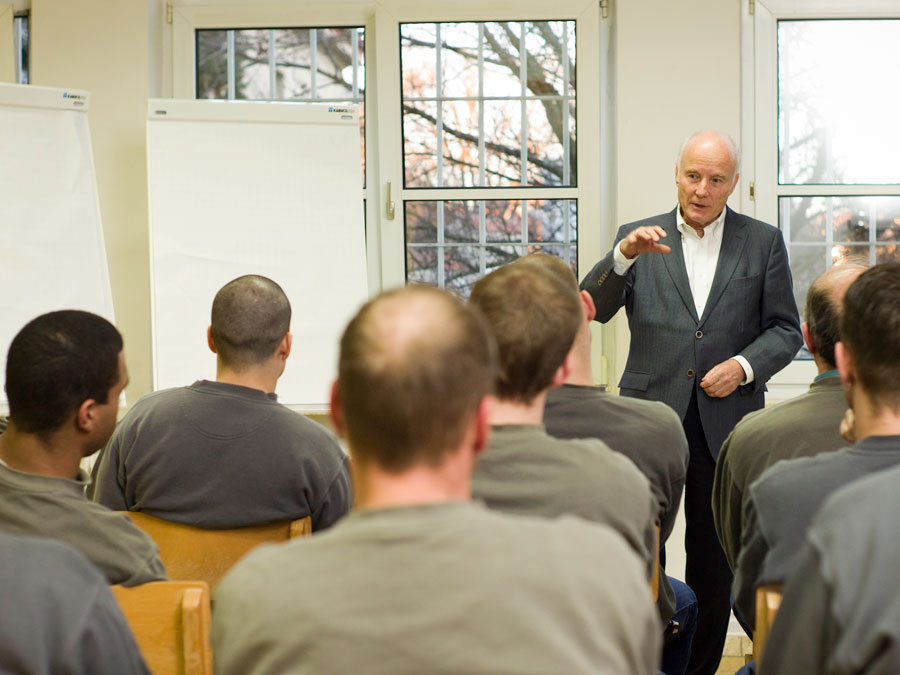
point(250, 317)
point(415, 364)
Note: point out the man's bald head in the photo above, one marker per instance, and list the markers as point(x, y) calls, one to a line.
point(415, 365)
point(824, 302)
point(712, 138)
point(250, 317)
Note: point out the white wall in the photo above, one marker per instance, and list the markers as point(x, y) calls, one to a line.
point(102, 46)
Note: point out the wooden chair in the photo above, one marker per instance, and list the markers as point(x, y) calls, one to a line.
point(654, 580)
point(170, 621)
point(768, 600)
point(195, 554)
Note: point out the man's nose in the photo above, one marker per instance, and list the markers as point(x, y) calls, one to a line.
point(702, 187)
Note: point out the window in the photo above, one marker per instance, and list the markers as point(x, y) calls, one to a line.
point(20, 44)
point(322, 65)
point(470, 118)
point(837, 131)
point(477, 114)
point(822, 140)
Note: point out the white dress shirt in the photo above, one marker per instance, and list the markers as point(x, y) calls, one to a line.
point(701, 255)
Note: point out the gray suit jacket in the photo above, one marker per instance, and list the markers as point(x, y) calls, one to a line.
point(750, 311)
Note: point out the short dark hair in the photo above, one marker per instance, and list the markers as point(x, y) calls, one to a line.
point(534, 317)
point(824, 307)
point(57, 362)
point(415, 364)
point(870, 330)
point(250, 317)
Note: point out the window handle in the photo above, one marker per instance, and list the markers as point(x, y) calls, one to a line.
point(389, 204)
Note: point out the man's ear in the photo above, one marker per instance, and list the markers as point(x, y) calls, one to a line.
point(210, 341)
point(845, 365)
point(562, 373)
point(587, 304)
point(337, 413)
point(676, 173)
point(284, 349)
point(808, 337)
point(483, 424)
point(734, 183)
point(86, 415)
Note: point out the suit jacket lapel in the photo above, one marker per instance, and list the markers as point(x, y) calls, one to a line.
point(733, 238)
point(675, 265)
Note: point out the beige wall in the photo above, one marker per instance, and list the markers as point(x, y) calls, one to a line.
point(677, 70)
point(102, 46)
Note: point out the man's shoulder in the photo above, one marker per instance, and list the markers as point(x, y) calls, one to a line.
point(756, 227)
point(788, 478)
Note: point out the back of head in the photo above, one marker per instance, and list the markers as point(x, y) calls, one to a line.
point(824, 306)
point(250, 317)
point(534, 317)
point(414, 366)
point(55, 363)
point(870, 330)
point(555, 266)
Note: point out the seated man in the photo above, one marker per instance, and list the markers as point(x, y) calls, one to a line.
point(649, 433)
point(59, 615)
point(420, 579)
point(534, 318)
point(64, 374)
point(800, 427)
point(226, 454)
point(841, 610)
point(784, 500)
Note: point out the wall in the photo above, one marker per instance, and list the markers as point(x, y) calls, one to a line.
point(677, 70)
point(102, 46)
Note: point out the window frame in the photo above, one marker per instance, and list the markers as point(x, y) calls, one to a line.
point(759, 127)
point(386, 246)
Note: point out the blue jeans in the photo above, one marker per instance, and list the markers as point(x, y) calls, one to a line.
point(677, 645)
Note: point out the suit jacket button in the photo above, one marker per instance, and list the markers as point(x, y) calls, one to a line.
point(690, 372)
point(699, 334)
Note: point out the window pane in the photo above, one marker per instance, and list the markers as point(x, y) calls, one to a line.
point(837, 112)
point(20, 44)
point(469, 98)
point(284, 64)
point(453, 243)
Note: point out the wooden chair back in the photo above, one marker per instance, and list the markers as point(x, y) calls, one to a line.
point(768, 600)
point(171, 623)
point(654, 580)
point(195, 554)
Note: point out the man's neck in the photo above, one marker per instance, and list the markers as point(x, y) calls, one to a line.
point(580, 372)
point(254, 378)
point(374, 488)
point(822, 366)
point(506, 411)
point(28, 453)
point(872, 419)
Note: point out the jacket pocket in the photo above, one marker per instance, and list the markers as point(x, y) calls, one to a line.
point(632, 379)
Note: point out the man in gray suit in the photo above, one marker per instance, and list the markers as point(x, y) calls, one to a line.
point(712, 319)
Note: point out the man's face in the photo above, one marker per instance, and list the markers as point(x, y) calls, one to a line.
point(705, 178)
point(108, 412)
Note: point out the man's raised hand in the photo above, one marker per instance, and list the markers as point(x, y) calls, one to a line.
point(643, 240)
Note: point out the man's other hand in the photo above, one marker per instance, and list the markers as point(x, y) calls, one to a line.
point(723, 379)
point(643, 240)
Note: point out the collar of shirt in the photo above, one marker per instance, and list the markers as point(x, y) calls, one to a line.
point(827, 373)
point(714, 229)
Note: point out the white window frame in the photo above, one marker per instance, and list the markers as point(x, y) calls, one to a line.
point(759, 126)
point(385, 235)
